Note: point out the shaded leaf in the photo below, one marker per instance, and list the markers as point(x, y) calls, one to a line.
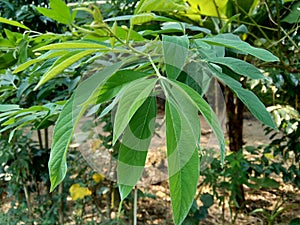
point(130, 99)
point(238, 66)
point(252, 102)
point(134, 146)
point(182, 136)
point(175, 52)
point(294, 15)
point(117, 81)
point(231, 41)
point(71, 113)
point(207, 113)
point(207, 200)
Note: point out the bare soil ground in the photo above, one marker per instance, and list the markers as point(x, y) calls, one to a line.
point(154, 181)
point(158, 210)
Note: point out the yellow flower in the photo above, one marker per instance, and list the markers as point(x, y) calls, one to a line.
point(78, 192)
point(97, 177)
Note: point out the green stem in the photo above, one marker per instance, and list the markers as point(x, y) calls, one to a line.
point(257, 25)
point(278, 18)
point(254, 22)
point(154, 67)
point(218, 13)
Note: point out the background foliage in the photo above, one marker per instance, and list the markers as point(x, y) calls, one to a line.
point(272, 25)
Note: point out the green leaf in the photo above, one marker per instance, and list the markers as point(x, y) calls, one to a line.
point(62, 136)
point(265, 182)
point(142, 18)
point(71, 113)
point(207, 200)
point(13, 23)
point(238, 66)
point(117, 81)
point(8, 107)
point(294, 15)
point(160, 6)
point(295, 221)
point(134, 146)
point(130, 99)
point(7, 59)
point(252, 102)
point(175, 52)
point(231, 41)
point(182, 137)
point(48, 55)
point(130, 17)
point(123, 34)
point(59, 11)
point(196, 75)
point(72, 45)
point(6, 44)
point(57, 69)
point(207, 112)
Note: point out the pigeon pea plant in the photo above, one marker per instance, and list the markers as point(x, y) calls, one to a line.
point(133, 69)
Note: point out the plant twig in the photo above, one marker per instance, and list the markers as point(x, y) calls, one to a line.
point(61, 204)
point(27, 201)
point(135, 206)
point(40, 139)
point(46, 138)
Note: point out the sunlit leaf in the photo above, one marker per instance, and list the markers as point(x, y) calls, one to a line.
point(56, 70)
point(208, 7)
point(97, 177)
point(13, 23)
point(72, 45)
point(48, 55)
point(160, 6)
point(8, 107)
point(59, 11)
